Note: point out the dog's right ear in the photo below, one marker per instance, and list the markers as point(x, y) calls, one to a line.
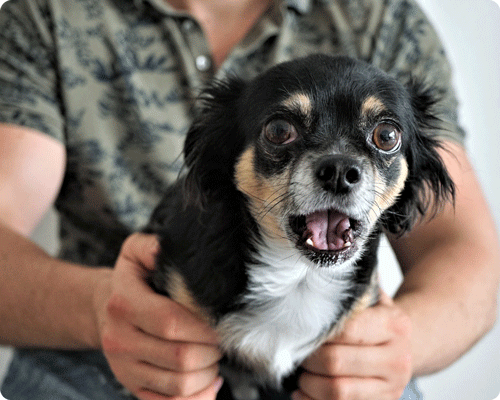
point(213, 142)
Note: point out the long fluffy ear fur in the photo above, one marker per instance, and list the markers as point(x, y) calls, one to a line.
point(428, 184)
point(213, 142)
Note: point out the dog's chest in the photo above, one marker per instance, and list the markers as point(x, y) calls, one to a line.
point(289, 306)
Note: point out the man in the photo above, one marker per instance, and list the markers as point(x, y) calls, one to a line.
point(94, 100)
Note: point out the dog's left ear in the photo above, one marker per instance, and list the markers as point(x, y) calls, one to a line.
point(428, 185)
point(213, 142)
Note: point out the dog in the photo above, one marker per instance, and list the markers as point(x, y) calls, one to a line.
point(272, 235)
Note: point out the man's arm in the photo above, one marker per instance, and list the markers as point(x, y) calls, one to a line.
point(31, 172)
point(155, 347)
point(451, 268)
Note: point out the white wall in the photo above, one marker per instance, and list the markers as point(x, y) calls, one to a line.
point(471, 32)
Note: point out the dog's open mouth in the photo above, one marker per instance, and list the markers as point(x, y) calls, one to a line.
point(325, 231)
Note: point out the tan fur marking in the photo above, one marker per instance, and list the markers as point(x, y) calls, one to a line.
point(178, 291)
point(299, 101)
point(372, 105)
point(386, 196)
point(265, 195)
point(368, 298)
point(380, 188)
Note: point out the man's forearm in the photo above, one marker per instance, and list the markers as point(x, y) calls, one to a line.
point(46, 302)
point(451, 306)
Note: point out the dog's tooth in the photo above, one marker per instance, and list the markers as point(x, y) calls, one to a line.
point(310, 242)
point(347, 244)
point(347, 235)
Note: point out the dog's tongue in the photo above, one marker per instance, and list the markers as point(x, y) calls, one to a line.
point(328, 230)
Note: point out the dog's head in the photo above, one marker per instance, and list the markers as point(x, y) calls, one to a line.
point(322, 150)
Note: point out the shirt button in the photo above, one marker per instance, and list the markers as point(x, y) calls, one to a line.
point(203, 63)
point(187, 25)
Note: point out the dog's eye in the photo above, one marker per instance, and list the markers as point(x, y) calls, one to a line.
point(280, 131)
point(386, 137)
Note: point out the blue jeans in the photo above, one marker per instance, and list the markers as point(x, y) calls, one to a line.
point(65, 375)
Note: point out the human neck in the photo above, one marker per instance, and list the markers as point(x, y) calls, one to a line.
point(225, 22)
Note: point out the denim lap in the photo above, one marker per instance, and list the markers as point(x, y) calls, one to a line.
point(62, 375)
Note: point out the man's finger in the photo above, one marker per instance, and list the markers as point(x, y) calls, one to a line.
point(384, 298)
point(209, 393)
point(370, 326)
point(141, 249)
point(161, 317)
point(178, 356)
point(367, 328)
point(127, 341)
point(321, 388)
point(173, 384)
point(354, 361)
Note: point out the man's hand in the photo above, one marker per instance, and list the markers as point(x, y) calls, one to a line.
point(370, 359)
point(155, 347)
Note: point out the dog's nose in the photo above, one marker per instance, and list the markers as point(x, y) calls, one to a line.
point(338, 174)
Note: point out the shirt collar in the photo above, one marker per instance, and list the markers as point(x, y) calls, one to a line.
point(301, 6)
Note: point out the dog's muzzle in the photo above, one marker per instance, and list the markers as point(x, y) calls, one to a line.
point(330, 229)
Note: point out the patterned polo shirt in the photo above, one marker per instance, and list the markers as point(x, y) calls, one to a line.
point(115, 82)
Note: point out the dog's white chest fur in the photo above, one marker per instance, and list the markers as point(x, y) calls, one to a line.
point(290, 305)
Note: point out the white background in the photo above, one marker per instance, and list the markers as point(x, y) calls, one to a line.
point(470, 30)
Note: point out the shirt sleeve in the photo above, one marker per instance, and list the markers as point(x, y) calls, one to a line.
point(29, 93)
point(405, 44)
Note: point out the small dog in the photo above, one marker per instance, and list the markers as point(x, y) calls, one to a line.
point(272, 235)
